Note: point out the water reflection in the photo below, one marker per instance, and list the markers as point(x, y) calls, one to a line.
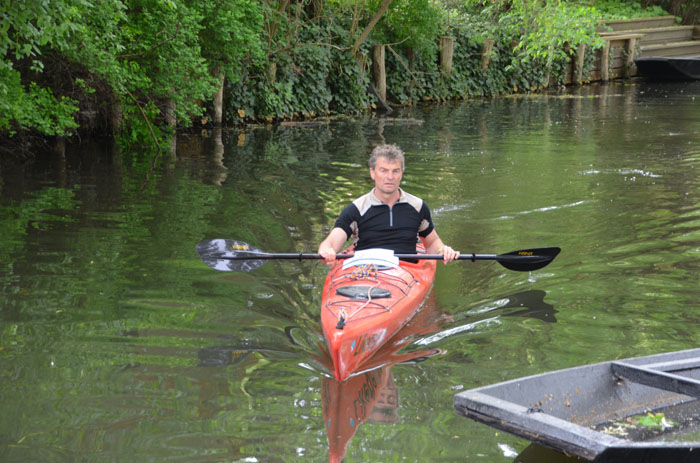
point(531, 302)
point(537, 454)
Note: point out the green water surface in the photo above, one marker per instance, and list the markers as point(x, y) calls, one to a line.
point(118, 344)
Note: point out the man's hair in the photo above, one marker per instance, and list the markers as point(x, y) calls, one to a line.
point(391, 153)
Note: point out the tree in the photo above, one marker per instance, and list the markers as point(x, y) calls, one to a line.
point(231, 33)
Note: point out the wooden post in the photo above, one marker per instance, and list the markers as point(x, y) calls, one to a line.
point(580, 55)
point(605, 62)
point(629, 62)
point(486, 48)
point(379, 70)
point(446, 53)
point(272, 71)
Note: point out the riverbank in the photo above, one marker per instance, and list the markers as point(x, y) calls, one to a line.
point(141, 70)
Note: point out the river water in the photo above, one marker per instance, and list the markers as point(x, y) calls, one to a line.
point(118, 344)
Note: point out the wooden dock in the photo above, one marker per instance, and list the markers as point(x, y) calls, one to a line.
point(628, 40)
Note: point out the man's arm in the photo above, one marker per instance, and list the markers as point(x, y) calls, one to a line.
point(434, 245)
point(332, 244)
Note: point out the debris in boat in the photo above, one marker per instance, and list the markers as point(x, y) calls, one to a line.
point(655, 421)
point(619, 429)
point(508, 451)
point(650, 421)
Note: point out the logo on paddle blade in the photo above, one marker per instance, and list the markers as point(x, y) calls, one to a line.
point(526, 253)
point(239, 247)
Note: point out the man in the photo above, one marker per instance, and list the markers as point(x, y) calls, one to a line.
point(387, 217)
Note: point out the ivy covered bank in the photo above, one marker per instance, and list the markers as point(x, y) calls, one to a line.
point(140, 68)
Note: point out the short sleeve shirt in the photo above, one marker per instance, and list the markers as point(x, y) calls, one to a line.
point(373, 224)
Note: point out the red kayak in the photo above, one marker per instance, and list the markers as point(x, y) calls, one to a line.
point(366, 302)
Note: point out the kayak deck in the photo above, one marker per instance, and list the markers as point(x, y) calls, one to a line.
point(364, 306)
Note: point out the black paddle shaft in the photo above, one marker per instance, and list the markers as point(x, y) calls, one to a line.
point(236, 256)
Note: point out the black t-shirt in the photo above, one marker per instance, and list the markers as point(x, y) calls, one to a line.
point(374, 224)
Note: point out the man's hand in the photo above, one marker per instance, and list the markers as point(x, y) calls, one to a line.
point(448, 254)
point(327, 254)
point(330, 246)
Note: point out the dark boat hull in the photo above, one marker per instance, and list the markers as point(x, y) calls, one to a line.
point(669, 68)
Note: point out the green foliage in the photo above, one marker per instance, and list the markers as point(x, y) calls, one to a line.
point(625, 9)
point(137, 54)
point(543, 34)
point(162, 58)
point(28, 27)
point(230, 33)
point(281, 59)
point(34, 107)
point(555, 27)
point(305, 76)
point(25, 31)
point(349, 84)
point(414, 24)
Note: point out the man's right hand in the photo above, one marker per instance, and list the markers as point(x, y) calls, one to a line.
point(327, 255)
point(333, 242)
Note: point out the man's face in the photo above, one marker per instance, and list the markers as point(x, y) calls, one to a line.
point(386, 176)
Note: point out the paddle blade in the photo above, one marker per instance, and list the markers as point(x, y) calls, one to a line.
point(527, 260)
point(229, 255)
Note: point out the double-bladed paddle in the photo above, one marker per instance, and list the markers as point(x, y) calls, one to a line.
point(237, 256)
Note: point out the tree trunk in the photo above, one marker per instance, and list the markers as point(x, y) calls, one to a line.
point(171, 121)
point(486, 48)
point(318, 8)
point(272, 72)
point(379, 70)
point(675, 7)
point(365, 33)
point(116, 116)
point(169, 113)
point(219, 97)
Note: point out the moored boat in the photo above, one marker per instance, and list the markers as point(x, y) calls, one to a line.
point(365, 302)
point(669, 68)
point(642, 409)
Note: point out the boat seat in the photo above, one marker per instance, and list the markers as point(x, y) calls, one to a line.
point(360, 292)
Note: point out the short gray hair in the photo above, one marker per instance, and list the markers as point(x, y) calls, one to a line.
point(391, 153)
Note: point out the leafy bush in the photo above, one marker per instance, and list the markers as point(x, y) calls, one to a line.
point(626, 9)
point(282, 59)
